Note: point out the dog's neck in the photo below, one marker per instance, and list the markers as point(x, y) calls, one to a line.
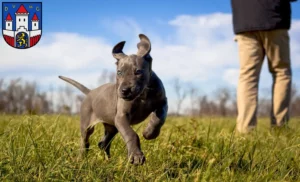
point(149, 87)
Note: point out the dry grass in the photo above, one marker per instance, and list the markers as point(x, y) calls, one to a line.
point(46, 148)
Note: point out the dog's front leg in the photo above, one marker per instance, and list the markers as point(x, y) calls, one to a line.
point(157, 120)
point(110, 132)
point(131, 139)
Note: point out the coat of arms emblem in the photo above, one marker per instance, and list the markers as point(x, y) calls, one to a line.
point(22, 23)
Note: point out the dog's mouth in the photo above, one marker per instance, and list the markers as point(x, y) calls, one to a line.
point(132, 95)
point(128, 98)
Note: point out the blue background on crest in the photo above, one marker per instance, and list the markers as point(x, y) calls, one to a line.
point(12, 12)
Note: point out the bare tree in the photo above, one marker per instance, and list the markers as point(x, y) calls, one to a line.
point(295, 102)
point(3, 95)
point(233, 107)
point(223, 96)
point(103, 77)
point(112, 77)
point(79, 100)
point(21, 97)
point(106, 77)
point(192, 93)
point(204, 108)
point(264, 107)
point(66, 99)
point(180, 94)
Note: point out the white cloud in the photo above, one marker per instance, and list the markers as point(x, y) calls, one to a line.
point(126, 28)
point(231, 76)
point(66, 51)
point(198, 47)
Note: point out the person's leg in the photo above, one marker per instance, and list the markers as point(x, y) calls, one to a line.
point(251, 55)
point(277, 46)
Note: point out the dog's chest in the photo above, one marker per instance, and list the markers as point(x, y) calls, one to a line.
point(141, 110)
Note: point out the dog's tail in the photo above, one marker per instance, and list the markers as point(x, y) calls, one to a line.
point(76, 84)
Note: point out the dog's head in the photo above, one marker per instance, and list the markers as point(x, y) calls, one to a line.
point(133, 71)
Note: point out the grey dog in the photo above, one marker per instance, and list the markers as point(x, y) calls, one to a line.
point(137, 93)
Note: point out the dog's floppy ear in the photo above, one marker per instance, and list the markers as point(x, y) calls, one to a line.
point(144, 46)
point(117, 51)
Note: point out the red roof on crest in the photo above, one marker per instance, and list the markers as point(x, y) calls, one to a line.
point(22, 10)
point(8, 18)
point(35, 18)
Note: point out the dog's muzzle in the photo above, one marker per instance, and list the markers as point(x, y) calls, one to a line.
point(129, 93)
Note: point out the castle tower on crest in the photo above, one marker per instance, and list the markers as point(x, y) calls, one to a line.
point(22, 18)
point(35, 22)
point(8, 22)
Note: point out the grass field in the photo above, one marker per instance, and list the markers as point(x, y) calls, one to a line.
point(46, 148)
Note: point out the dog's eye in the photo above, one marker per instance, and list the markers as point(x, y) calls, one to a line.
point(138, 72)
point(119, 73)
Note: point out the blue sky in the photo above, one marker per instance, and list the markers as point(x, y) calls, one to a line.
point(146, 13)
point(78, 15)
point(193, 37)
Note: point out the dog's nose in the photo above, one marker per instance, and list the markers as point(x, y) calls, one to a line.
point(126, 91)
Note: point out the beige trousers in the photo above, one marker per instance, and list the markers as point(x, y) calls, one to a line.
point(253, 47)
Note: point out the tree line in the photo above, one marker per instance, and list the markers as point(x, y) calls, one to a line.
point(19, 96)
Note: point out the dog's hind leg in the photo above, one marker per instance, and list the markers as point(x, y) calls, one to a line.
point(85, 139)
point(109, 133)
point(86, 127)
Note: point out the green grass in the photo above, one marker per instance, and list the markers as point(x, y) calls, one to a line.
point(46, 148)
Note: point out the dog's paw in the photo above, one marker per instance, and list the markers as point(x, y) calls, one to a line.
point(151, 133)
point(137, 159)
point(103, 146)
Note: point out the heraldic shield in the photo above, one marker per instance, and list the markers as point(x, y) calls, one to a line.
point(22, 23)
